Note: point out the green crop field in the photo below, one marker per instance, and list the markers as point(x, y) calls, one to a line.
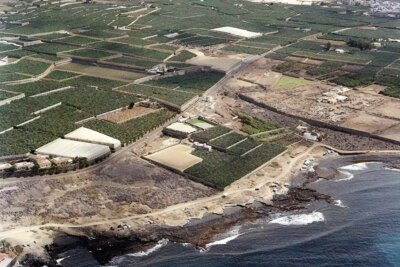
point(61, 75)
point(182, 56)
point(89, 53)
point(131, 130)
point(211, 133)
point(134, 62)
point(194, 82)
point(287, 82)
point(227, 140)
point(172, 96)
point(221, 169)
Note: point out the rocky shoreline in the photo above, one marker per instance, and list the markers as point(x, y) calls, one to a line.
point(100, 247)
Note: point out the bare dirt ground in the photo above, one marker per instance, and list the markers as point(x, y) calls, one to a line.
point(178, 157)
point(126, 114)
point(361, 110)
point(128, 186)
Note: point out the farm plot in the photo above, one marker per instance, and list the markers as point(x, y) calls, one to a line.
point(126, 114)
point(172, 96)
point(132, 50)
point(101, 34)
point(244, 146)
point(177, 157)
point(130, 131)
point(50, 48)
point(19, 111)
point(18, 53)
point(221, 169)
point(77, 40)
point(4, 94)
point(228, 140)
point(25, 66)
point(211, 133)
point(253, 125)
point(200, 124)
point(246, 49)
point(195, 82)
point(203, 41)
point(182, 56)
point(325, 68)
point(89, 53)
point(134, 41)
point(354, 58)
point(93, 82)
point(34, 88)
point(134, 62)
point(61, 75)
point(91, 100)
point(287, 82)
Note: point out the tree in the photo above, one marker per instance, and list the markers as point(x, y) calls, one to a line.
point(131, 105)
point(328, 46)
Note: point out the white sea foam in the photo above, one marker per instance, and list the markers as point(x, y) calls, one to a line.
point(355, 167)
point(299, 219)
point(228, 237)
point(160, 244)
point(339, 203)
point(346, 170)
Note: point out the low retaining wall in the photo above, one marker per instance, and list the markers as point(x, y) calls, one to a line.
point(320, 123)
point(46, 108)
point(9, 100)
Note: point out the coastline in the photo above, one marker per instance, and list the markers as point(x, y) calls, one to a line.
point(199, 228)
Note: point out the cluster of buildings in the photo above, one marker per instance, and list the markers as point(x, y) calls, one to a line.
point(82, 143)
point(42, 162)
point(334, 96)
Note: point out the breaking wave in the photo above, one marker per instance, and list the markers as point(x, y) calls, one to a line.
point(345, 170)
point(228, 237)
point(160, 244)
point(339, 203)
point(299, 219)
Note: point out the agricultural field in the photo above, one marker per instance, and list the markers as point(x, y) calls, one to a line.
point(89, 53)
point(287, 82)
point(177, 157)
point(228, 140)
point(325, 68)
point(50, 48)
point(194, 82)
point(172, 96)
point(246, 49)
point(34, 88)
point(132, 50)
point(5, 94)
point(220, 169)
point(253, 125)
point(130, 131)
point(182, 56)
point(25, 66)
point(211, 133)
point(126, 114)
point(61, 75)
point(134, 62)
point(77, 40)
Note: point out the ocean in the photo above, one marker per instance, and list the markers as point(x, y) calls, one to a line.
point(362, 229)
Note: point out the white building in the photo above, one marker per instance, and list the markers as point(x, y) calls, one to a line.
point(71, 149)
point(24, 165)
point(87, 135)
point(5, 167)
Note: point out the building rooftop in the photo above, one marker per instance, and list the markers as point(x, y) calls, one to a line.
point(91, 136)
point(71, 149)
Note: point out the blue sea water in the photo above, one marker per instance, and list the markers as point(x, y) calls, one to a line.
point(362, 230)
